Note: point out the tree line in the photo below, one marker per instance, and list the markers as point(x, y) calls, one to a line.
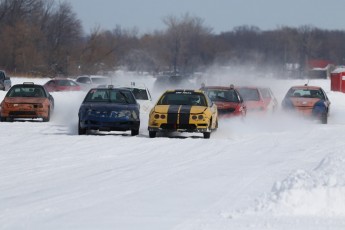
point(45, 38)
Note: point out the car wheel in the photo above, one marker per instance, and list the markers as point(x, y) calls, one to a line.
point(324, 119)
point(81, 131)
point(134, 132)
point(3, 119)
point(152, 134)
point(207, 135)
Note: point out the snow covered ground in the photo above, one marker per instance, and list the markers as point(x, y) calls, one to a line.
point(268, 172)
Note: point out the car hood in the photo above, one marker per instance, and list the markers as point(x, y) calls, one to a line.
point(304, 102)
point(24, 100)
point(226, 105)
point(109, 106)
point(178, 108)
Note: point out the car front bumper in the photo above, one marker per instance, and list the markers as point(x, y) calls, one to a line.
point(109, 124)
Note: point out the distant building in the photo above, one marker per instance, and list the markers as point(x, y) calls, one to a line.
point(319, 69)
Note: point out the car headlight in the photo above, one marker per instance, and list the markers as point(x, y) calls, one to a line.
point(198, 116)
point(159, 116)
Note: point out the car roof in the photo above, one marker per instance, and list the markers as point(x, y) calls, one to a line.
point(183, 90)
point(218, 87)
point(110, 88)
point(28, 84)
point(305, 87)
point(246, 87)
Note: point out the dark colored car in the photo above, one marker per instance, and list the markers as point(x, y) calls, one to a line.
point(5, 81)
point(229, 102)
point(27, 100)
point(311, 101)
point(109, 109)
point(62, 85)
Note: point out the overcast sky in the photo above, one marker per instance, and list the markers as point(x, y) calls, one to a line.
point(220, 15)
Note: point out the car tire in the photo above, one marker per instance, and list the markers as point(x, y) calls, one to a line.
point(81, 131)
point(324, 119)
point(2, 119)
point(152, 134)
point(134, 132)
point(207, 135)
point(46, 119)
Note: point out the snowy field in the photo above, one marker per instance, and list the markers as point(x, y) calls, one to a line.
point(267, 172)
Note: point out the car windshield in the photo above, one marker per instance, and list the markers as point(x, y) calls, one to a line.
point(307, 93)
point(182, 98)
point(110, 96)
point(26, 91)
point(222, 95)
point(249, 94)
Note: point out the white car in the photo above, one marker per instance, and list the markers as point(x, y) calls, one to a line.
point(93, 81)
point(142, 95)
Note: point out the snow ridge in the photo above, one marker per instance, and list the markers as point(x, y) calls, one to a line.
point(320, 192)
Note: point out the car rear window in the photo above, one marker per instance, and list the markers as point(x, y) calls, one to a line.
point(26, 91)
point(307, 93)
point(249, 94)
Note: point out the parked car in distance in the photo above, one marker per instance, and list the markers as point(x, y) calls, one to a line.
point(61, 84)
point(109, 109)
point(228, 100)
point(253, 99)
point(27, 100)
point(5, 81)
point(142, 95)
point(269, 98)
point(310, 101)
point(93, 81)
point(183, 111)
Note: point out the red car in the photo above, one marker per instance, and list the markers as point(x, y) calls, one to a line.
point(258, 99)
point(62, 85)
point(228, 100)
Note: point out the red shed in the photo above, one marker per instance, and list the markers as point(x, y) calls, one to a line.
point(338, 79)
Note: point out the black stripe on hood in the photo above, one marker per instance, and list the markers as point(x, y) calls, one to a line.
point(185, 114)
point(172, 114)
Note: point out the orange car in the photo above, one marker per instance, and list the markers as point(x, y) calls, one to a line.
point(310, 101)
point(27, 100)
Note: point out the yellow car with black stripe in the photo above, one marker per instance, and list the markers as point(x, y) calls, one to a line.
point(183, 111)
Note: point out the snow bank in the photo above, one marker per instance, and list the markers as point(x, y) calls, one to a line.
point(320, 192)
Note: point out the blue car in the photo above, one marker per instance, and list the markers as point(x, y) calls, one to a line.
point(109, 109)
